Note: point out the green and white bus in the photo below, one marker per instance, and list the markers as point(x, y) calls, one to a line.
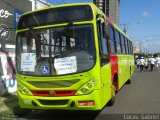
point(71, 57)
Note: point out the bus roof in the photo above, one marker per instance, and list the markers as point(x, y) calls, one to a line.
point(95, 9)
point(60, 5)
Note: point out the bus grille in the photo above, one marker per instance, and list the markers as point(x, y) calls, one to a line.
point(53, 84)
point(55, 93)
point(53, 102)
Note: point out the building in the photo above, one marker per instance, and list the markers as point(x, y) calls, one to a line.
point(38, 4)
point(114, 10)
point(136, 49)
point(110, 7)
point(10, 12)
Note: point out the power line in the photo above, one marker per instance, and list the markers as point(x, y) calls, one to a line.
point(63, 1)
point(83, 1)
point(146, 41)
point(58, 2)
point(145, 36)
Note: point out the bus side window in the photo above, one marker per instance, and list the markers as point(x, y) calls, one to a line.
point(103, 43)
point(123, 44)
point(126, 46)
point(118, 42)
point(112, 41)
point(131, 47)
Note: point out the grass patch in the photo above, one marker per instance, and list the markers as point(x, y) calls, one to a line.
point(8, 102)
point(9, 106)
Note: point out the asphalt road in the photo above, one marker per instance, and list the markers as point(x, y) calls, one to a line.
point(138, 100)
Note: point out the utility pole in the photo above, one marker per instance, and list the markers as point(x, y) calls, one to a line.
point(140, 47)
point(124, 28)
point(35, 4)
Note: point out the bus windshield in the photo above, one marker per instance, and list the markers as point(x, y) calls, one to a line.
point(55, 51)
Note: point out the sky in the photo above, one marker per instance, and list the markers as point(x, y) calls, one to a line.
point(142, 21)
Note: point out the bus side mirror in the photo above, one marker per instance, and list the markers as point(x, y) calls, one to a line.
point(104, 59)
point(100, 18)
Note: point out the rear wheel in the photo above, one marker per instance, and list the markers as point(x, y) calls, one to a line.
point(129, 80)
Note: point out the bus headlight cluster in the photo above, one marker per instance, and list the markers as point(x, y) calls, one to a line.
point(88, 87)
point(83, 90)
point(23, 89)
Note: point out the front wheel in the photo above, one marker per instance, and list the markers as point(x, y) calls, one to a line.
point(112, 100)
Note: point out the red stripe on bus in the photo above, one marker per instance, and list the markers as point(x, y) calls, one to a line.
point(114, 67)
point(109, 21)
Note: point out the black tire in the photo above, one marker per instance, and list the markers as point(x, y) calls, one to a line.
point(129, 80)
point(112, 100)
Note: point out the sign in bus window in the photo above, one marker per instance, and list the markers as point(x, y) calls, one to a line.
point(28, 62)
point(65, 65)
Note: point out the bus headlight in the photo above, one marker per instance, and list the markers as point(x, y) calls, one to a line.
point(83, 90)
point(20, 86)
point(88, 87)
point(23, 89)
point(94, 80)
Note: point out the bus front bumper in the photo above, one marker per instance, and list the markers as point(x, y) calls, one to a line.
point(90, 101)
